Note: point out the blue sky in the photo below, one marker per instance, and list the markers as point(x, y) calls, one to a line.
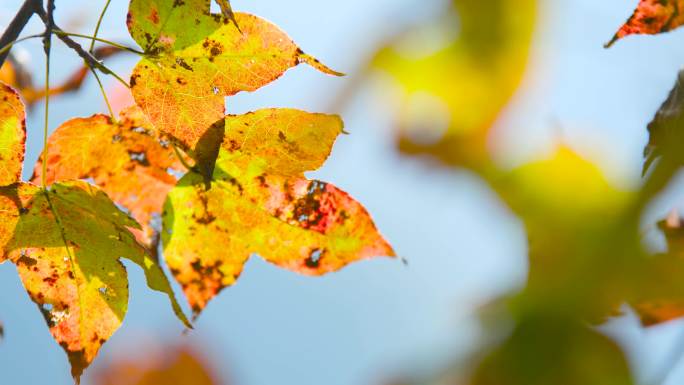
point(379, 318)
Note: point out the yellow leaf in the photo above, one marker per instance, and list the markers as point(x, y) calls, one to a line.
point(195, 58)
point(260, 202)
point(67, 244)
point(12, 135)
point(453, 92)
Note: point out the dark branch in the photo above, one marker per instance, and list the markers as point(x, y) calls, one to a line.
point(17, 25)
point(85, 55)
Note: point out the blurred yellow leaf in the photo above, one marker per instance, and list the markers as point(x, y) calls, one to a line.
point(453, 96)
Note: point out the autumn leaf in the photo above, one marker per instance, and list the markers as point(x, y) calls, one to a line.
point(554, 198)
point(260, 202)
point(163, 365)
point(12, 135)
point(194, 59)
point(453, 91)
point(652, 17)
point(67, 243)
point(133, 165)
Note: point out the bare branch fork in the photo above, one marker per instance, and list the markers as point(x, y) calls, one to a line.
point(17, 25)
point(22, 17)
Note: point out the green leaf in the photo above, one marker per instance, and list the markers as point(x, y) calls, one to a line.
point(67, 244)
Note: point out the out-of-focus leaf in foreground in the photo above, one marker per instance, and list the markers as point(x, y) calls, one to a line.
point(544, 350)
point(12, 135)
point(555, 198)
point(452, 96)
point(652, 17)
point(666, 133)
point(171, 365)
point(67, 244)
point(260, 202)
point(194, 59)
point(133, 165)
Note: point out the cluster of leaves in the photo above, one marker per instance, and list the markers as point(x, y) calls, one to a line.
point(581, 270)
point(213, 189)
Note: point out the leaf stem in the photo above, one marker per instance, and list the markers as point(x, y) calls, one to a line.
point(95, 38)
point(47, 43)
point(97, 26)
point(180, 157)
point(104, 95)
point(91, 49)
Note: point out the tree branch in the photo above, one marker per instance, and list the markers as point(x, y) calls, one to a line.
point(85, 55)
point(17, 25)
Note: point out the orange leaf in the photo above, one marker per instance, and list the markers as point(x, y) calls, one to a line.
point(260, 202)
point(132, 165)
point(652, 17)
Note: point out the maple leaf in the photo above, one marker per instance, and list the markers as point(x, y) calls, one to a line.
point(652, 17)
point(133, 165)
point(194, 59)
point(67, 244)
point(12, 135)
point(260, 202)
point(452, 95)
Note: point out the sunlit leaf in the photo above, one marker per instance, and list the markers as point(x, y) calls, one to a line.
point(659, 293)
point(652, 17)
point(67, 245)
point(132, 165)
point(12, 135)
point(261, 203)
point(194, 59)
point(457, 73)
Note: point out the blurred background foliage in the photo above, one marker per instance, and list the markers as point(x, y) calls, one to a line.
point(453, 76)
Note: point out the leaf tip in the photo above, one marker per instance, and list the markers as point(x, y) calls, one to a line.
point(315, 63)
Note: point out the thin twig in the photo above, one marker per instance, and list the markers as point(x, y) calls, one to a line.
point(91, 50)
point(97, 26)
point(95, 38)
point(85, 55)
point(17, 25)
point(181, 158)
point(47, 45)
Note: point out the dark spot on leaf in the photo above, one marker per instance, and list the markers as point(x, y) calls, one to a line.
point(314, 259)
point(27, 261)
point(140, 157)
